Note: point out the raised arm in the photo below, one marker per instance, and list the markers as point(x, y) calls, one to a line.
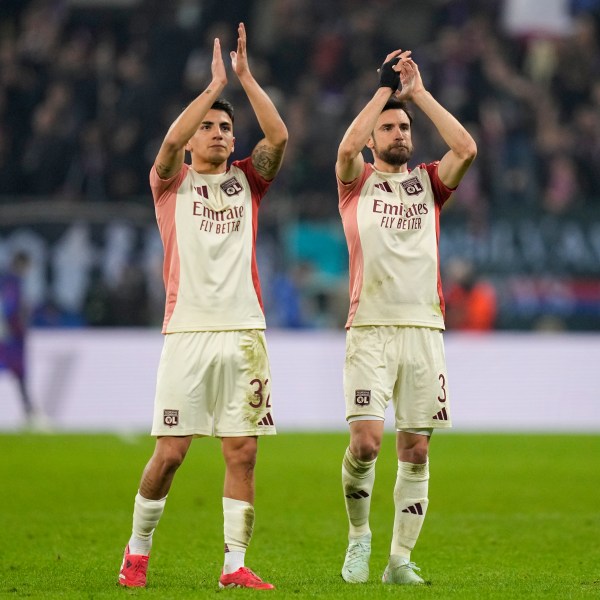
point(268, 153)
point(172, 150)
point(463, 149)
point(350, 162)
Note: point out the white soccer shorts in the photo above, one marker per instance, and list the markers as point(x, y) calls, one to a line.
point(405, 365)
point(214, 383)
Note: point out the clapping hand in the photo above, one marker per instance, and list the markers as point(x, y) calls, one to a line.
point(239, 58)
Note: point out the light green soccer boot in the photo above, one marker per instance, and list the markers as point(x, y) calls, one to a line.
point(401, 571)
point(356, 563)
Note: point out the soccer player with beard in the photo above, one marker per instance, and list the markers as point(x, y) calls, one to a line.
point(394, 346)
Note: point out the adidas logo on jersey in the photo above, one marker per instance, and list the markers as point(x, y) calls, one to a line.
point(385, 186)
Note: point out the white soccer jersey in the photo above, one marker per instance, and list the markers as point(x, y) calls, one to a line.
point(208, 228)
point(391, 222)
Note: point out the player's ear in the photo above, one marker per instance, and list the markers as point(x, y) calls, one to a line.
point(232, 145)
point(370, 143)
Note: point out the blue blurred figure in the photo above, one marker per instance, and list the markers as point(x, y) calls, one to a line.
point(13, 328)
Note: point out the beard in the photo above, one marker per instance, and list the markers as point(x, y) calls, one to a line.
point(395, 156)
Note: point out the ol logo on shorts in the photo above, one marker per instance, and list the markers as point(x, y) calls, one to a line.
point(362, 397)
point(170, 417)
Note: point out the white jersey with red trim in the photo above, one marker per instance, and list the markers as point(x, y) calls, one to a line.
point(391, 222)
point(208, 228)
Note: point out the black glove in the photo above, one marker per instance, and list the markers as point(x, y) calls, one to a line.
point(388, 77)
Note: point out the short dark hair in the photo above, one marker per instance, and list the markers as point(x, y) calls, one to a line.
point(224, 105)
point(393, 103)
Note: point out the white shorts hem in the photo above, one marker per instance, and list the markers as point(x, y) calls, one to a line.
point(261, 432)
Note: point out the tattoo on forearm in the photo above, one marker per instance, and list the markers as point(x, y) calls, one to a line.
point(267, 160)
point(162, 170)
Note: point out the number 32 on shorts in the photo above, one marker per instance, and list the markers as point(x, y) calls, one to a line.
point(259, 387)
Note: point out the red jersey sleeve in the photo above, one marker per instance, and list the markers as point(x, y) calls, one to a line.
point(258, 184)
point(441, 192)
point(346, 191)
point(163, 189)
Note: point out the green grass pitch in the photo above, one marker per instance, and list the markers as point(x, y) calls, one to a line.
point(510, 516)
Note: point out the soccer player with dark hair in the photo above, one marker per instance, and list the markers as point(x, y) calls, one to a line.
point(394, 346)
point(213, 378)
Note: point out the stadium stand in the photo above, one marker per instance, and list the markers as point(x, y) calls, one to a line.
point(88, 86)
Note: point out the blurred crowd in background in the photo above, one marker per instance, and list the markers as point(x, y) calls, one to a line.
point(88, 89)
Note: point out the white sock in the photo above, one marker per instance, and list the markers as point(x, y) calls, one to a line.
point(238, 524)
point(358, 478)
point(234, 560)
point(410, 500)
point(146, 514)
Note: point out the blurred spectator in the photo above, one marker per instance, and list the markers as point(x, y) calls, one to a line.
point(562, 189)
point(14, 319)
point(129, 298)
point(72, 261)
point(470, 302)
point(47, 153)
point(286, 293)
point(578, 65)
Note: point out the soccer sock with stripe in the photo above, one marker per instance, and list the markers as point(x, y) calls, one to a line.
point(238, 524)
point(358, 478)
point(146, 514)
point(410, 500)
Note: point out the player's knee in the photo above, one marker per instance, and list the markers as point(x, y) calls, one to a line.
point(365, 448)
point(416, 454)
point(241, 454)
point(245, 460)
point(170, 458)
